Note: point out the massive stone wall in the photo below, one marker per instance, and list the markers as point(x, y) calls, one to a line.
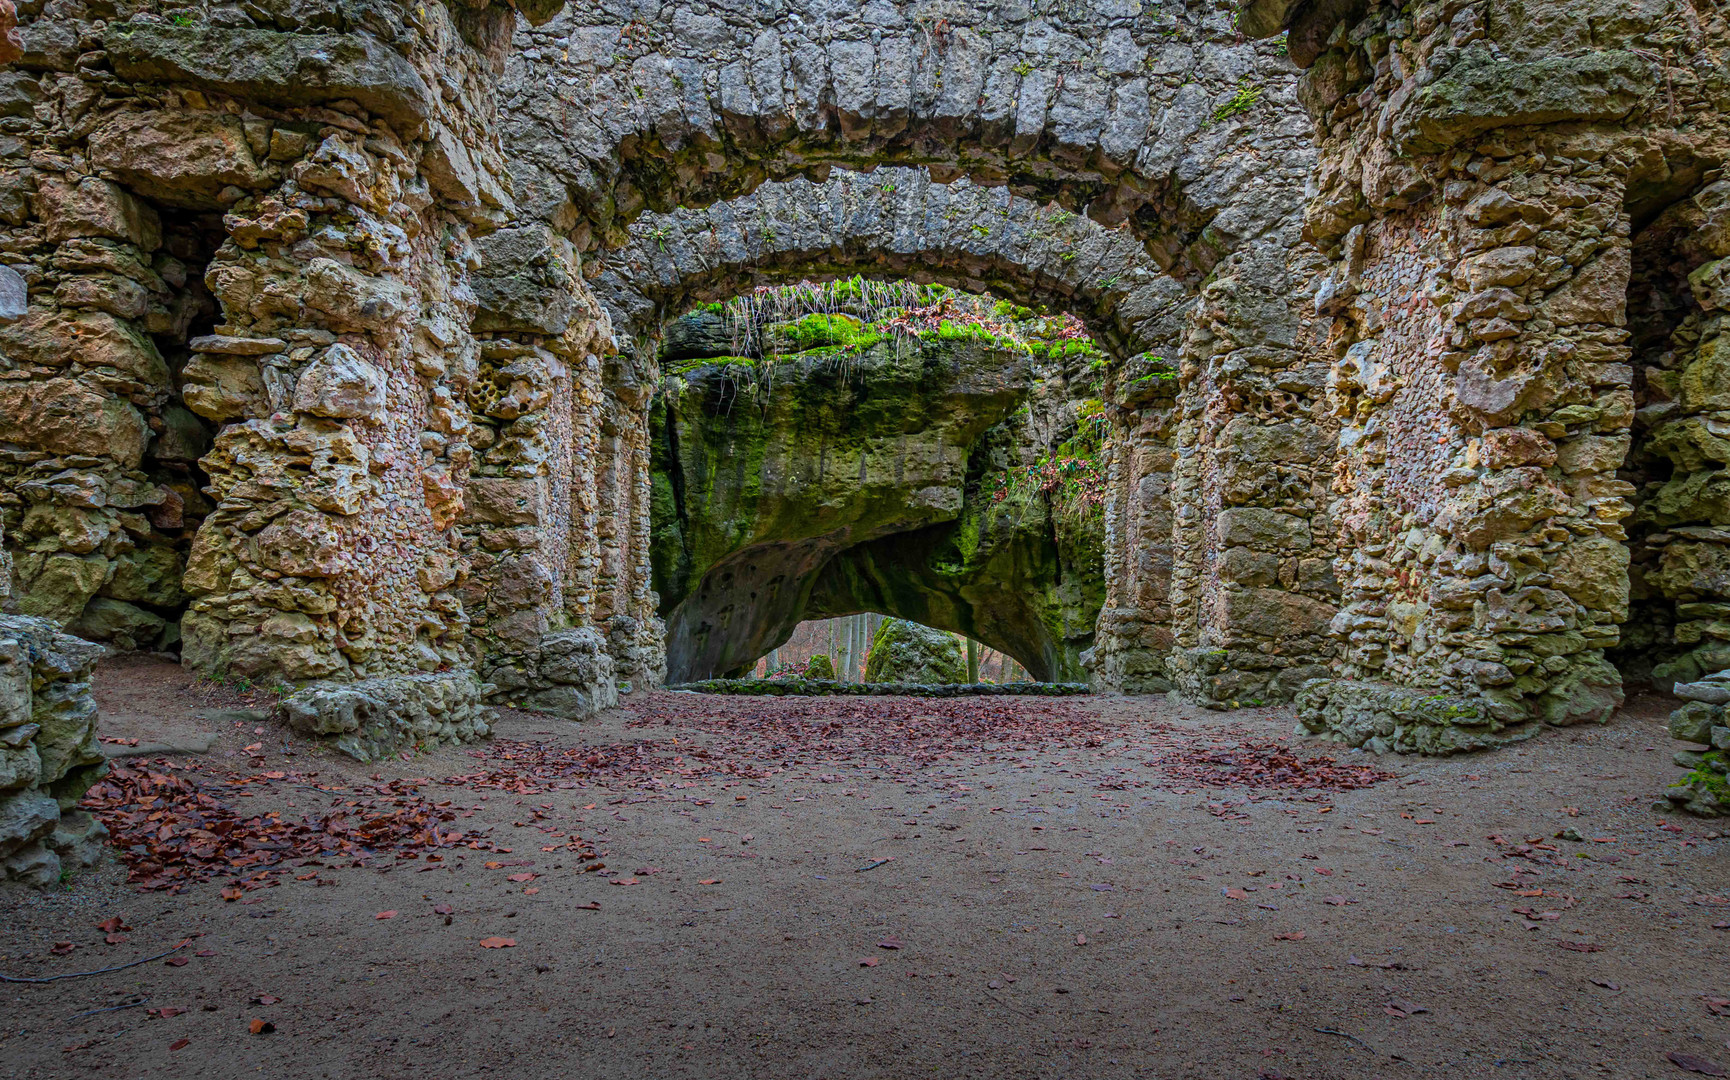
point(1482, 170)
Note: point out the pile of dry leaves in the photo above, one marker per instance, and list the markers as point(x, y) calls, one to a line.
point(172, 827)
point(1267, 764)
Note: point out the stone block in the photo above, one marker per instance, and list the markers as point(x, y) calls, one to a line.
point(97, 207)
point(341, 384)
point(1693, 722)
point(1481, 92)
point(178, 158)
point(1257, 527)
point(274, 68)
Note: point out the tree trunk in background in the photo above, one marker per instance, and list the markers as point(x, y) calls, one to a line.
point(773, 663)
point(972, 661)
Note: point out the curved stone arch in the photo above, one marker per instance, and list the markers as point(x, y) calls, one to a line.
point(1169, 120)
point(895, 222)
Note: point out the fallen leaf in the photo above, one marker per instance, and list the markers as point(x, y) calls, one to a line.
point(1337, 901)
point(498, 943)
point(710, 881)
point(442, 909)
point(590, 906)
point(1580, 946)
point(61, 948)
point(1606, 984)
point(1234, 894)
point(385, 915)
point(176, 961)
point(889, 942)
point(168, 1010)
point(623, 881)
point(112, 925)
point(116, 939)
point(181, 1044)
point(233, 892)
point(1081, 939)
point(1696, 1064)
point(521, 877)
point(1295, 935)
point(869, 961)
point(261, 1027)
point(530, 891)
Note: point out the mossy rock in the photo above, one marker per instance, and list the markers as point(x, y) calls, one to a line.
point(906, 652)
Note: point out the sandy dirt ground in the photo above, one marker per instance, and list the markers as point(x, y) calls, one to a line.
point(892, 887)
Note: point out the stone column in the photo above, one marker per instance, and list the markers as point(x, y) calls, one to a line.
point(1252, 591)
point(1135, 625)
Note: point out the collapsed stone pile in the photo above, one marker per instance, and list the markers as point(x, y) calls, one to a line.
point(1705, 721)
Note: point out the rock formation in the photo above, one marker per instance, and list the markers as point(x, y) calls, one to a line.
point(860, 467)
point(906, 652)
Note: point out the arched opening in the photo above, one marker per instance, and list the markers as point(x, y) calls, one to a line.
point(908, 450)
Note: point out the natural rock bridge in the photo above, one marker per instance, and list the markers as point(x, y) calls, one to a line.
point(341, 328)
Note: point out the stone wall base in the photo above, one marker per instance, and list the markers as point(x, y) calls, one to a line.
point(1217, 678)
point(376, 718)
point(570, 674)
point(49, 755)
point(1703, 719)
point(1402, 720)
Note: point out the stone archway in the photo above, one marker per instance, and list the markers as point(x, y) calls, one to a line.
point(896, 221)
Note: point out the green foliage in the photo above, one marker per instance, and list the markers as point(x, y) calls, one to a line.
point(1241, 100)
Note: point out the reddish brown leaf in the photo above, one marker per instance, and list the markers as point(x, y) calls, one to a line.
point(261, 1027)
point(112, 925)
point(1234, 894)
point(889, 942)
point(179, 1044)
point(623, 881)
point(521, 877)
point(62, 948)
point(1696, 1064)
point(1294, 935)
point(442, 909)
point(710, 881)
point(498, 943)
point(385, 915)
point(177, 961)
point(1580, 946)
point(869, 961)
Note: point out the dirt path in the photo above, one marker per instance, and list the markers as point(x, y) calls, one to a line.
point(1068, 888)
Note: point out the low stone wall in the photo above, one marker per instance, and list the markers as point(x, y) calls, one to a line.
point(48, 751)
point(1703, 719)
point(376, 718)
point(824, 687)
point(569, 673)
point(1402, 720)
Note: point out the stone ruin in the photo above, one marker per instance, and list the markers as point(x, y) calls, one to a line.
point(342, 326)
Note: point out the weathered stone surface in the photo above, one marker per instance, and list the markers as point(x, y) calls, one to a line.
point(181, 159)
point(905, 652)
point(1482, 92)
point(376, 718)
point(1402, 720)
point(342, 385)
point(274, 68)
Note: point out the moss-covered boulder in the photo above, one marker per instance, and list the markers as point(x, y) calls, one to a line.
point(820, 667)
point(905, 652)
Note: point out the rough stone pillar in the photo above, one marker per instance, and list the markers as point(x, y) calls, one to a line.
point(1479, 172)
point(347, 192)
point(1252, 589)
point(1134, 634)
